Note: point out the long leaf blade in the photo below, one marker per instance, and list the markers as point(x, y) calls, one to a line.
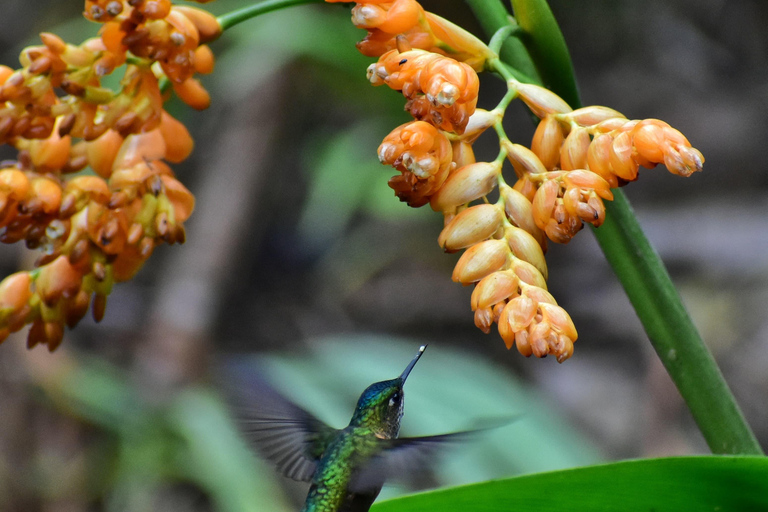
point(679, 484)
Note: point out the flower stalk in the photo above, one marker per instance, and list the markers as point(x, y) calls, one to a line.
point(231, 19)
point(655, 299)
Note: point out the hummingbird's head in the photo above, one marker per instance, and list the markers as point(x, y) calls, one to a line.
point(380, 407)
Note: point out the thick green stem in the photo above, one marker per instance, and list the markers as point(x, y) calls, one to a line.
point(656, 301)
point(251, 11)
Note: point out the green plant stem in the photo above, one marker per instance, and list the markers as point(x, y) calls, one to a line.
point(231, 19)
point(658, 305)
point(494, 14)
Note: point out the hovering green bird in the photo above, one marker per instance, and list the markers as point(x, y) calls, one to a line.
point(346, 467)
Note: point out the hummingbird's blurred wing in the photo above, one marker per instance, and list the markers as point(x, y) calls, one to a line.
point(284, 433)
point(403, 459)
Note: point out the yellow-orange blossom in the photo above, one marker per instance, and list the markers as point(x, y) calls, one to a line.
point(90, 186)
point(575, 158)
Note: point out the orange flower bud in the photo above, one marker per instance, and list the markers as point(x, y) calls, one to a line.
point(541, 101)
point(599, 158)
point(527, 248)
point(484, 319)
point(182, 199)
point(466, 184)
point(191, 92)
point(51, 153)
point(459, 43)
point(14, 298)
point(544, 203)
point(140, 147)
point(523, 159)
point(518, 313)
point(683, 160)
point(519, 211)
point(205, 22)
point(471, 226)
point(480, 260)
point(14, 183)
point(588, 180)
point(648, 139)
point(48, 192)
point(573, 153)
point(178, 142)
point(204, 60)
point(463, 154)
point(528, 273)
point(58, 279)
point(547, 141)
point(494, 288)
point(90, 188)
point(101, 152)
point(590, 116)
point(559, 320)
point(622, 164)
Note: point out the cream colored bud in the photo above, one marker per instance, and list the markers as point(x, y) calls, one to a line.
point(599, 158)
point(523, 159)
point(521, 312)
point(621, 160)
point(595, 114)
point(589, 180)
point(542, 101)
point(559, 320)
point(471, 226)
point(683, 160)
point(544, 202)
point(463, 154)
point(525, 247)
point(520, 213)
point(522, 343)
point(573, 153)
point(494, 288)
point(614, 124)
point(528, 273)
point(547, 140)
point(538, 338)
point(480, 260)
point(478, 122)
point(484, 319)
point(537, 294)
point(466, 184)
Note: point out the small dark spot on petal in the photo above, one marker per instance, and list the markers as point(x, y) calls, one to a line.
point(403, 61)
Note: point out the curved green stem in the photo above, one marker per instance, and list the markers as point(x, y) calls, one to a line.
point(643, 275)
point(231, 19)
point(501, 35)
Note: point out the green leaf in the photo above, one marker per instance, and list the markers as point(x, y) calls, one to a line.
point(714, 483)
point(547, 47)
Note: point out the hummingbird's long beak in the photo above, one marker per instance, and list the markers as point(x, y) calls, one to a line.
point(410, 366)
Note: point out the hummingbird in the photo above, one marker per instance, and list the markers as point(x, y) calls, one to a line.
point(346, 467)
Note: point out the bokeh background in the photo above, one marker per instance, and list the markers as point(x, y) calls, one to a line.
point(300, 260)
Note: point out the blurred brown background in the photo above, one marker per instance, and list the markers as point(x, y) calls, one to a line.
point(295, 237)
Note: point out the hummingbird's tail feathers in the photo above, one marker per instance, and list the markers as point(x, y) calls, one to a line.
point(282, 432)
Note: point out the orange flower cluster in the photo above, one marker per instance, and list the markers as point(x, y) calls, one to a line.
point(576, 157)
point(386, 20)
point(90, 187)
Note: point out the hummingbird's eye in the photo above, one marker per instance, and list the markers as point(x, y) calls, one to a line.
point(394, 399)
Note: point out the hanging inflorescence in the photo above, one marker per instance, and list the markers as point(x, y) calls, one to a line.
point(574, 160)
point(91, 187)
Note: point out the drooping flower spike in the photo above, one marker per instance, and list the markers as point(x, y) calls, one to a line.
point(575, 158)
point(97, 228)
